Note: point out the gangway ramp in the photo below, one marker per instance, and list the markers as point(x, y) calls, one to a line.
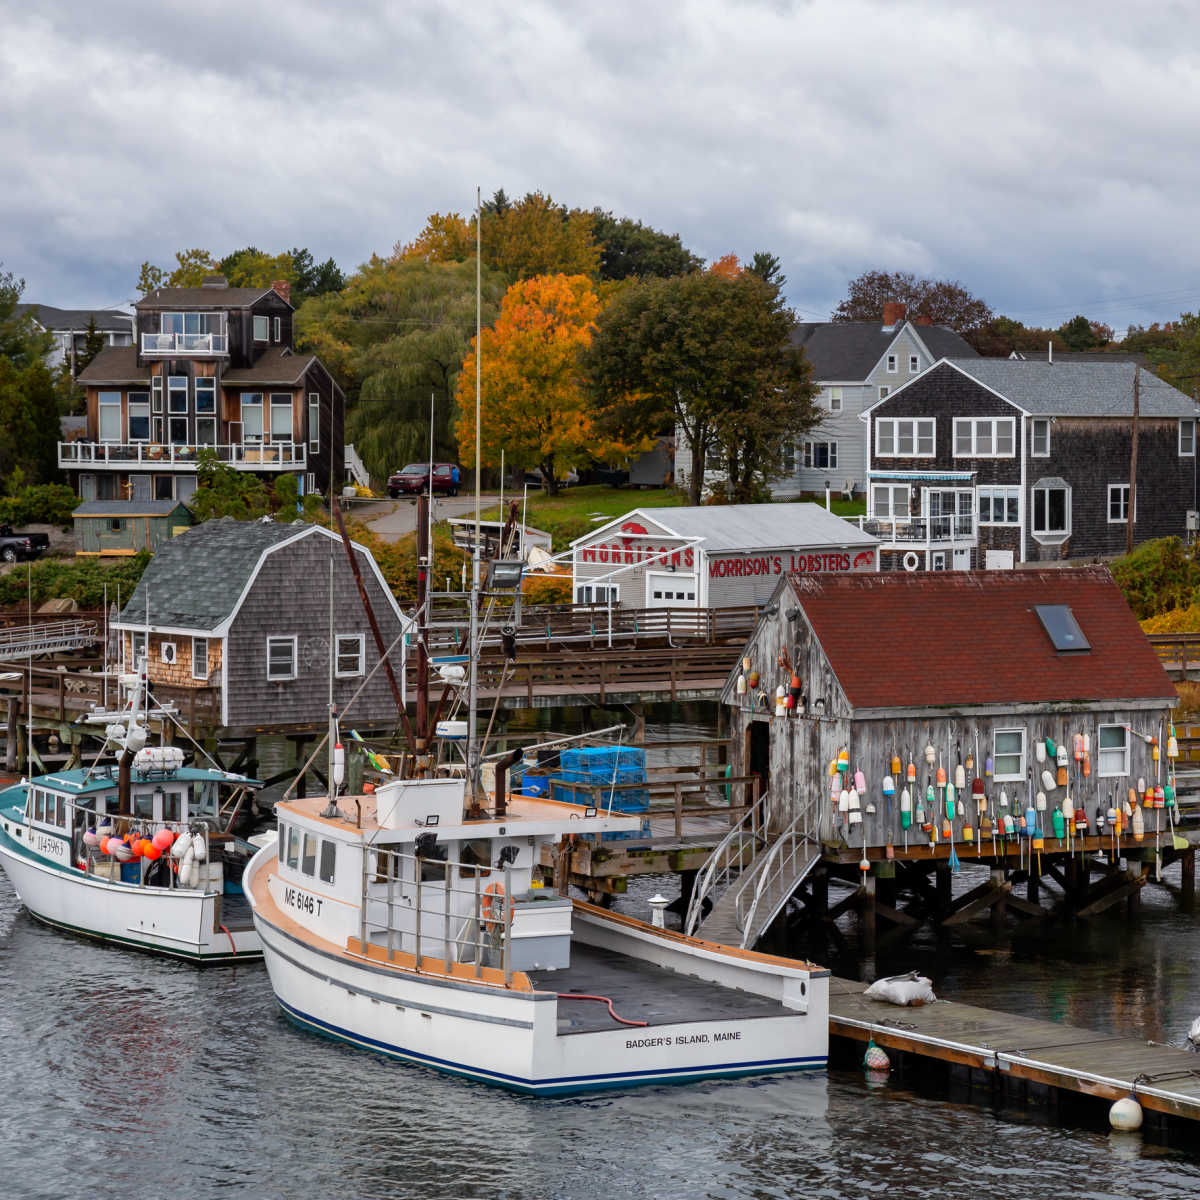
point(46, 637)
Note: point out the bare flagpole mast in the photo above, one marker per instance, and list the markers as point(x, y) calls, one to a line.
point(473, 681)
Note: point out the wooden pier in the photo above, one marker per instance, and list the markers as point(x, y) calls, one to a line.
point(1006, 1047)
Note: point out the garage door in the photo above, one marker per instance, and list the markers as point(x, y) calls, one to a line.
point(670, 589)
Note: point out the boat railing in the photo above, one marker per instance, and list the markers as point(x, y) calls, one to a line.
point(123, 825)
point(474, 922)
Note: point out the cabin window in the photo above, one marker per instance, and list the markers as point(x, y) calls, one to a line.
point(1009, 754)
point(262, 329)
point(200, 658)
point(989, 437)
point(1113, 750)
point(281, 658)
point(902, 438)
point(110, 416)
point(308, 859)
point(139, 416)
point(252, 417)
point(314, 422)
point(349, 654)
point(1118, 503)
point(281, 417)
point(39, 804)
point(293, 847)
point(281, 841)
point(172, 807)
point(328, 860)
point(1187, 438)
point(143, 806)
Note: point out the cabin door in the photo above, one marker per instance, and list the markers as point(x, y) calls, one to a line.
point(758, 753)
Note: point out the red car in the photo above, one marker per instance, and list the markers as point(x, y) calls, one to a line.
point(414, 479)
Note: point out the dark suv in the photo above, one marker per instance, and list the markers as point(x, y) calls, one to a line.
point(414, 479)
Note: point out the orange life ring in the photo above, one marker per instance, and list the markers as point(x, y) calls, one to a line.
point(491, 910)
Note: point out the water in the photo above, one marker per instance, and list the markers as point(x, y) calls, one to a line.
point(130, 1076)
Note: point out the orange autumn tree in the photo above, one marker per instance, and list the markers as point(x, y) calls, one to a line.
point(533, 401)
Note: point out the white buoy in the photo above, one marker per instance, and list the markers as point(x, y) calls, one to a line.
point(658, 903)
point(1125, 1114)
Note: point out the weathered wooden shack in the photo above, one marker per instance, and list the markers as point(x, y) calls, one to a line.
point(239, 612)
point(123, 527)
point(911, 677)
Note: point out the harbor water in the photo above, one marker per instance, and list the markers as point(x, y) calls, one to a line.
point(125, 1075)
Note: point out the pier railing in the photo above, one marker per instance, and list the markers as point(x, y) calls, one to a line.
point(735, 851)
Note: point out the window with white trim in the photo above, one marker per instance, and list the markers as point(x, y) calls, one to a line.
point(139, 416)
point(262, 329)
point(200, 658)
point(821, 456)
point(281, 417)
point(1112, 751)
point(999, 505)
point(278, 328)
point(914, 364)
point(787, 458)
point(293, 847)
point(314, 421)
point(110, 416)
point(983, 437)
point(310, 483)
point(1008, 754)
point(598, 593)
point(892, 365)
point(905, 437)
point(252, 417)
point(281, 658)
point(206, 410)
point(889, 501)
point(835, 399)
point(1051, 510)
point(177, 409)
point(1118, 503)
point(883, 391)
point(349, 650)
point(1039, 438)
point(1187, 439)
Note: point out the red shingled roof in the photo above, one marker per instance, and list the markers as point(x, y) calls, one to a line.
point(972, 637)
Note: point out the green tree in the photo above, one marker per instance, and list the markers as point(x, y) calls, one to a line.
point(943, 301)
point(629, 249)
point(150, 278)
point(93, 343)
point(712, 354)
point(1081, 334)
point(396, 336)
point(1179, 364)
point(43, 423)
point(22, 341)
point(768, 268)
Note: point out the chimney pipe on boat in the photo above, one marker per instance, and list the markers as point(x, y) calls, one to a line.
point(502, 767)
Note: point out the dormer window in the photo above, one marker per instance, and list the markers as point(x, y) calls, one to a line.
point(262, 329)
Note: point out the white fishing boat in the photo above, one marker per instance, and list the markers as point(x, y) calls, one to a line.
point(396, 922)
point(132, 852)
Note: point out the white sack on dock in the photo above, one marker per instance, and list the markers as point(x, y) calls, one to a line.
point(1194, 1034)
point(910, 989)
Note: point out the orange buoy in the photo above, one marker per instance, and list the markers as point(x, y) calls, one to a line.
point(151, 851)
point(162, 840)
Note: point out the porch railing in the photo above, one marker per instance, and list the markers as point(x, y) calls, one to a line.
point(185, 343)
point(252, 456)
point(956, 527)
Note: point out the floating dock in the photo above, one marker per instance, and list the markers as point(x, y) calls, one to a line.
point(1107, 1066)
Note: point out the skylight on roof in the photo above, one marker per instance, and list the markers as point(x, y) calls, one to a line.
point(1061, 627)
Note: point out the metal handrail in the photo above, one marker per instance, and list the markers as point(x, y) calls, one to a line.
point(782, 857)
point(725, 861)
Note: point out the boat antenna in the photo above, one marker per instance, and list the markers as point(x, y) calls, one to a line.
point(331, 809)
point(473, 677)
point(29, 601)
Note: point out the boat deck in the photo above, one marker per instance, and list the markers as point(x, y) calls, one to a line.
point(641, 991)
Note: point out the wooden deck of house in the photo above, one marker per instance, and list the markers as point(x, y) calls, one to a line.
point(1105, 1065)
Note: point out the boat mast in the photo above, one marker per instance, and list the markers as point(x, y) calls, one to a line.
point(331, 809)
point(472, 690)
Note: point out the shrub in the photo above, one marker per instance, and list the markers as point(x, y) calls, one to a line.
point(1159, 576)
point(42, 503)
point(547, 589)
point(81, 580)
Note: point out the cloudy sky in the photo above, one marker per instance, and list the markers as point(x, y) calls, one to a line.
point(1043, 154)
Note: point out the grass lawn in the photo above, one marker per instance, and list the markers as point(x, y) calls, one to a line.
point(571, 513)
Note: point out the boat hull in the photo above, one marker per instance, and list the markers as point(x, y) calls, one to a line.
point(178, 923)
point(512, 1038)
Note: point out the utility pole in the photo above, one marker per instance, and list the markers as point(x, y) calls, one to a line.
point(1137, 381)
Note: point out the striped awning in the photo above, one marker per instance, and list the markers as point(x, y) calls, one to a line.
point(928, 476)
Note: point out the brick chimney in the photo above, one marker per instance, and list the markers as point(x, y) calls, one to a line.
point(893, 313)
point(283, 288)
point(924, 319)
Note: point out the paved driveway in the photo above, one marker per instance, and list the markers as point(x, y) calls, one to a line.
point(394, 519)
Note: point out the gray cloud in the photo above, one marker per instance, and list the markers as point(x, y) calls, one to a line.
point(1039, 153)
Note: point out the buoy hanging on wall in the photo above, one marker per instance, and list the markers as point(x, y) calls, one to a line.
point(1125, 1116)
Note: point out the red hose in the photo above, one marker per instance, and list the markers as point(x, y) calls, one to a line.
point(603, 1000)
point(232, 943)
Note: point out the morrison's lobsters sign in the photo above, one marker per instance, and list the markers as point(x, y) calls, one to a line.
point(634, 544)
